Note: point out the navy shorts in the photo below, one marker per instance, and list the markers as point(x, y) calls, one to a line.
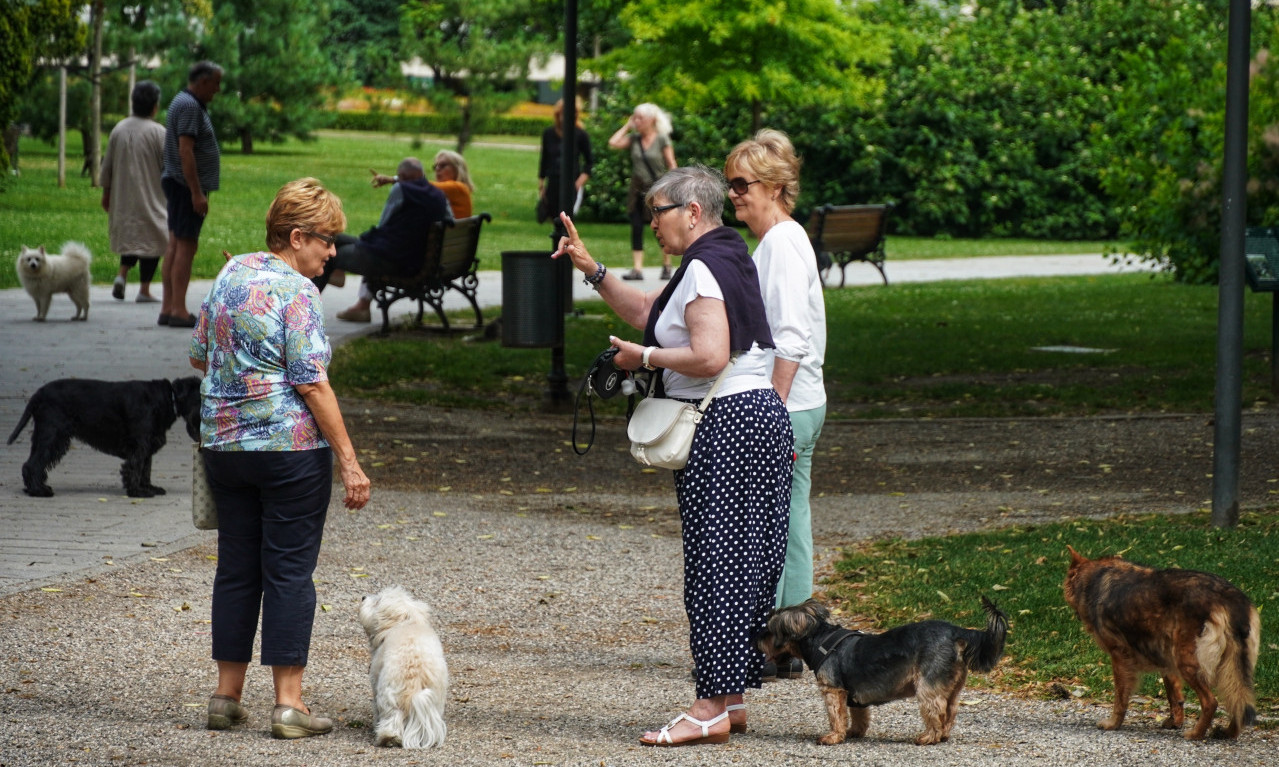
point(183, 220)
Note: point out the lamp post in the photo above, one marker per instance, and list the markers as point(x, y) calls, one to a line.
point(557, 394)
point(1234, 202)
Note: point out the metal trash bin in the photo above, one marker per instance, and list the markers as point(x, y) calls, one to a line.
point(532, 299)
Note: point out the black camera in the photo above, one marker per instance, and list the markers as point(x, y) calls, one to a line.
point(604, 380)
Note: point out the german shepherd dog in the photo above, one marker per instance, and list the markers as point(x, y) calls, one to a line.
point(1184, 624)
point(928, 660)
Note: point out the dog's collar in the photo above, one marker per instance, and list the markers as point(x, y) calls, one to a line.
point(825, 646)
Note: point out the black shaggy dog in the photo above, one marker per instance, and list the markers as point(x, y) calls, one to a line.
point(127, 419)
point(928, 660)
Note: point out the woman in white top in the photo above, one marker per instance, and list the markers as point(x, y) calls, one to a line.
point(763, 183)
point(734, 492)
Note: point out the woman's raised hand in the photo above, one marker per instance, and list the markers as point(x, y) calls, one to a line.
point(572, 246)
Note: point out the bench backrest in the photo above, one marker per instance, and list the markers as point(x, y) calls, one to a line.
point(853, 229)
point(450, 250)
point(461, 242)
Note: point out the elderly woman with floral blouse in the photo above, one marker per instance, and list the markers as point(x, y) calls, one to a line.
point(270, 426)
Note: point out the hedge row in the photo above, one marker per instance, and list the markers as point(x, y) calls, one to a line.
point(400, 123)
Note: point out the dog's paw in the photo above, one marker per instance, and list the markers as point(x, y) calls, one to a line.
point(140, 492)
point(831, 739)
point(39, 492)
point(1110, 724)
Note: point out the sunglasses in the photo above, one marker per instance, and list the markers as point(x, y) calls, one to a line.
point(442, 165)
point(660, 209)
point(740, 185)
point(327, 239)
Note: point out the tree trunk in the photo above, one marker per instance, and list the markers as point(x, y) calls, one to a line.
point(757, 116)
point(246, 141)
point(464, 133)
point(93, 156)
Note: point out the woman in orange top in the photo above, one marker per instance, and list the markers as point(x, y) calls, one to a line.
point(454, 180)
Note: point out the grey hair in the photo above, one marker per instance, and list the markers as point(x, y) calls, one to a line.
point(202, 70)
point(692, 183)
point(410, 169)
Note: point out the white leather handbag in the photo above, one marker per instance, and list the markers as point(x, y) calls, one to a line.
point(661, 430)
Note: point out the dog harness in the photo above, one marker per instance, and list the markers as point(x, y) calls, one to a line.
point(825, 646)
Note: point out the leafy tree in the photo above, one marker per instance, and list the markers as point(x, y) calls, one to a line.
point(276, 72)
point(764, 54)
point(1164, 138)
point(30, 30)
point(364, 36)
point(480, 51)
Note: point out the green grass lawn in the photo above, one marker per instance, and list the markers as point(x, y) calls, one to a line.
point(906, 350)
point(35, 211)
point(1022, 569)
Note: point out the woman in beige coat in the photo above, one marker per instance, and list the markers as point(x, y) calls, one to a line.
point(131, 193)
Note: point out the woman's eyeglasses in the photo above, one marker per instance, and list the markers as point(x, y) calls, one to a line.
point(658, 210)
point(441, 166)
point(327, 239)
point(740, 185)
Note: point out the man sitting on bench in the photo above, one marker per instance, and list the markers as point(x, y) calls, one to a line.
point(395, 247)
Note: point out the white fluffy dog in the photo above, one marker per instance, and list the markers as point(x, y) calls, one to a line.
point(45, 274)
point(407, 670)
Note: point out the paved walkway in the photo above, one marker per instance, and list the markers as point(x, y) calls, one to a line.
point(90, 523)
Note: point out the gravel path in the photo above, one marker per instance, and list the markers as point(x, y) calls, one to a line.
point(565, 637)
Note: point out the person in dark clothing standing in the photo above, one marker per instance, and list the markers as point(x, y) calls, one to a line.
point(395, 246)
point(549, 166)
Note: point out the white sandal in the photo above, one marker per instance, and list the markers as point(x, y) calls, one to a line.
point(664, 736)
point(733, 727)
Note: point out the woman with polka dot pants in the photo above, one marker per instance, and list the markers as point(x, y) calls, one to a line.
point(734, 493)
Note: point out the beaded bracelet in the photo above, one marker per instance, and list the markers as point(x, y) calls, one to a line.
point(594, 280)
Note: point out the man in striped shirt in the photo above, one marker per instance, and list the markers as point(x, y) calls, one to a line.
point(192, 163)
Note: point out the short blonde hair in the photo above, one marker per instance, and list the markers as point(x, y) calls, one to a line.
point(771, 158)
point(302, 204)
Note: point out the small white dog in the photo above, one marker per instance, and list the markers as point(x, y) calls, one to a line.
point(407, 670)
point(45, 274)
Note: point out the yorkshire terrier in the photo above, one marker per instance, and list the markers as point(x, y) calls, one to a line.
point(929, 660)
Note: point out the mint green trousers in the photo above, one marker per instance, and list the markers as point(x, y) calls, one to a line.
point(796, 584)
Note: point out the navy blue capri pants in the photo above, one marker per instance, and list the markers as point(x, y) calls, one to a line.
point(271, 512)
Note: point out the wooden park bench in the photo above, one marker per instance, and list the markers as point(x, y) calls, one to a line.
point(846, 233)
point(450, 261)
point(1261, 269)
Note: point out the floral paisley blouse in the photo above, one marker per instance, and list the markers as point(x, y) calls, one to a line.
point(261, 333)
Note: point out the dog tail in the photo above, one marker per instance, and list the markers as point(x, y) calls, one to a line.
point(424, 726)
point(22, 422)
point(1227, 654)
point(72, 249)
point(985, 648)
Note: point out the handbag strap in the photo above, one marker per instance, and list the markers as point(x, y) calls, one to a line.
point(710, 395)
